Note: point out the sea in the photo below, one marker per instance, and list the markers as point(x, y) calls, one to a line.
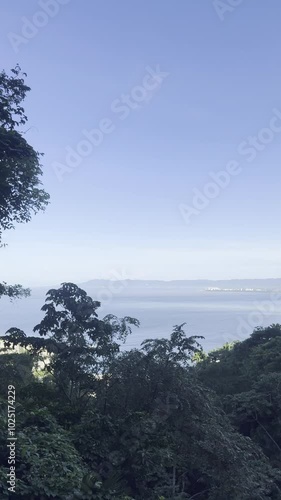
point(219, 314)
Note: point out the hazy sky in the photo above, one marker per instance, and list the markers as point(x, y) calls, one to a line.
point(174, 91)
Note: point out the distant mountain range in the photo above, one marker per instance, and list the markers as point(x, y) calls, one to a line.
point(267, 283)
point(131, 287)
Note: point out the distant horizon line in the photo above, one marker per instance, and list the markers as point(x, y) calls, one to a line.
point(181, 280)
point(80, 283)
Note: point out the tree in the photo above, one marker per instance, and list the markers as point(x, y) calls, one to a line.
point(137, 424)
point(21, 194)
point(153, 431)
point(247, 379)
point(20, 170)
point(12, 93)
point(80, 345)
point(178, 349)
point(13, 291)
point(47, 464)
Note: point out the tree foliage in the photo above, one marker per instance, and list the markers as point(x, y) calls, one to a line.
point(21, 194)
point(97, 422)
point(247, 380)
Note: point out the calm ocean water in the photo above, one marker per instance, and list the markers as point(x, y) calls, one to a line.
point(218, 316)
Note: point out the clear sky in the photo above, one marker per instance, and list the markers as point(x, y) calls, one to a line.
point(130, 206)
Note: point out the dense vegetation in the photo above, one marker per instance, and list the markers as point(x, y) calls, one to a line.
point(93, 421)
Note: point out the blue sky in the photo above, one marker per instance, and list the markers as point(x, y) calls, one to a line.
point(117, 213)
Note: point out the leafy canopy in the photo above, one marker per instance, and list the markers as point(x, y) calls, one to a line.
point(21, 194)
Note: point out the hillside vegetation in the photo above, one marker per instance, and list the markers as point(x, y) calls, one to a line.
point(163, 422)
